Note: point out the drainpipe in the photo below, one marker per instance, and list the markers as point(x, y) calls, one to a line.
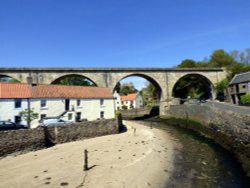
point(30, 82)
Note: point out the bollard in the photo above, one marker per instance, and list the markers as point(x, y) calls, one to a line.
point(85, 167)
point(134, 131)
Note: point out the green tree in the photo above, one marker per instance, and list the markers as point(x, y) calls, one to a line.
point(28, 115)
point(74, 80)
point(245, 98)
point(193, 86)
point(220, 86)
point(127, 88)
point(187, 63)
point(8, 79)
point(220, 58)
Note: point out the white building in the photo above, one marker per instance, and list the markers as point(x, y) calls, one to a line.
point(131, 101)
point(70, 103)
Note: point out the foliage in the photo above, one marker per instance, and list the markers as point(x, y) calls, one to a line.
point(220, 58)
point(191, 85)
point(245, 98)
point(127, 88)
point(235, 62)
point(220, 86)
point(187, 63)
point(28, 115)
point(8, 79)
point(74, 80)
point(124, 107)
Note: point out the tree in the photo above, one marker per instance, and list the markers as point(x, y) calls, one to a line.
point(220, 86)
point(187, 63)
point(8, 79)
point(193, 86)
point(74, 80)
point(127, 88)
point(29, 115)
point(220, 58)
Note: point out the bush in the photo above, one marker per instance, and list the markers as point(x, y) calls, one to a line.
point(245, 98)
point(124, 107)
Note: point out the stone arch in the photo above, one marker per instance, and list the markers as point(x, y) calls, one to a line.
point(9, 76)
point(69, 75)
point(147, 77)
point(210, 89)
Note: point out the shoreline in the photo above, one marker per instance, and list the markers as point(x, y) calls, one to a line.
point(140, 157)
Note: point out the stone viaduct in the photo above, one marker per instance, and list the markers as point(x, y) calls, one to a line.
point(164, 79)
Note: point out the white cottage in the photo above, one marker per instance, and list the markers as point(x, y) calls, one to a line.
point(131, 101)
point(71, 103)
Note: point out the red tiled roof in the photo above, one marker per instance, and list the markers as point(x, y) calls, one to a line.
point(129, 97)
point(17, 90)
point(14, 90)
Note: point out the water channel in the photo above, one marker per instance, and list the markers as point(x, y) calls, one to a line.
point(200, 162)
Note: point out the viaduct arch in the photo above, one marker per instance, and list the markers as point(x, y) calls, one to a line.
point(163, 78)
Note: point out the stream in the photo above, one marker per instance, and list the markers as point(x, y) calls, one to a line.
point(200, 162)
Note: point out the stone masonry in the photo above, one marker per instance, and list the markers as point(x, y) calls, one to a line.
point(164, 79)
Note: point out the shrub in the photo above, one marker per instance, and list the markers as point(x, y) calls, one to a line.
point(245, 98)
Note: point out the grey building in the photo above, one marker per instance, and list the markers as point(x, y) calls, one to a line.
point(239, 85)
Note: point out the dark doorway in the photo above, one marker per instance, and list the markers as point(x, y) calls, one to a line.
point(78, 116)
point(67, 104)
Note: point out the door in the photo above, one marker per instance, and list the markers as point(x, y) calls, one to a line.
point(67, 104)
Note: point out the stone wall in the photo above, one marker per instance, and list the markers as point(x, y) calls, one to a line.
point(228, 128)
point(34, 139)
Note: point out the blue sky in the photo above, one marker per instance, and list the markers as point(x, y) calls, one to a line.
point(119, 33)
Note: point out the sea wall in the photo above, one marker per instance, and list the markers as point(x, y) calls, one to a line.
point(42, 137)
point(229, 128)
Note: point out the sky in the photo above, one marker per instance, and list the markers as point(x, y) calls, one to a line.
point(119, 33)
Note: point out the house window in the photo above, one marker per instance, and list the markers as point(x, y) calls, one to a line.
point(117, 102)
point(18, 119)
point(101, 102)
point(70, 116)
point(42, 116)
point(43, 103)
point(18, 103)
point(102, 114)
point(78, 102)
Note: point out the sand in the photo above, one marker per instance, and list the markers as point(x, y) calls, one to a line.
point(141, 157)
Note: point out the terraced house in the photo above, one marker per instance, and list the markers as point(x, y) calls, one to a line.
point(71, 103)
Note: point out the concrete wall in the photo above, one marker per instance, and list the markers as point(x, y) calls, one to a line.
point(39, 138)
point(229, 128)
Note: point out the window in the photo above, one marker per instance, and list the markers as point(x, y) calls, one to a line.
point(78, 102)
point(101, 102)
point(42, 116)
point(70, 116)
point(43, 103)
point(102, 114)
point(18, 119)
point(18, 103)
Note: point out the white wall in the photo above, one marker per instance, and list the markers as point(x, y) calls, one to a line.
point(8, 110)
point(90, 109)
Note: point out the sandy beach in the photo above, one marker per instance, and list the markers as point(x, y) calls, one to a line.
point(140, 157)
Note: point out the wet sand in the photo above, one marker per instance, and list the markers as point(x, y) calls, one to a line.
point(141, 157)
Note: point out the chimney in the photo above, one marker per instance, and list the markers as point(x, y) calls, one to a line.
point(29, 81)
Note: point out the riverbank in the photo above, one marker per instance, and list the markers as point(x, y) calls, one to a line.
point(140, 157)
